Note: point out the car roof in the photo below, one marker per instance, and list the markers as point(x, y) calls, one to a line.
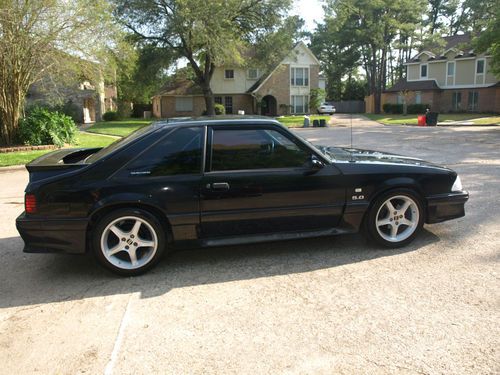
point(219, 119)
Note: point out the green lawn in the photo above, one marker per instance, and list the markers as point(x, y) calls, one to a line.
point(298, 121)
point(23, 157)
point(476, 118)
point(120, 128)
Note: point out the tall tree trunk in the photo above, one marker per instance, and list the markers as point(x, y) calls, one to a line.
point(209, 99)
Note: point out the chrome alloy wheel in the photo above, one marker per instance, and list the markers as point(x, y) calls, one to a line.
point(129, 242)
point(397, 218)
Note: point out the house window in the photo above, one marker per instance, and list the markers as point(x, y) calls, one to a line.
point(480, 66)
point(473, 100)
point(218, 99)
point(183, 104)
point(399, 99)
point(229, 74)
point(451, 69)
point(299, 76)
point(228, 104)
point(423, 71)
point(418, 97)
point(252, 73)
point(456, 101)
point(300, 103)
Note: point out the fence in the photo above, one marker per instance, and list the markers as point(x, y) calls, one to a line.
point(349, 106)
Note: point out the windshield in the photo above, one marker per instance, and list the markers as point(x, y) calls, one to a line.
point(117, 144)
point(319, 149)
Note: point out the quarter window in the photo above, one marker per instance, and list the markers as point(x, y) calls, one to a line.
point(254, 149)
point(183, 104)
point(299, 77)
point(252, 73)
point(473, 100)
point(228, 104)
point(423, 71)
point(178, 153)
point(451, 69)
point(480, 67)
point(300, 103)
point(229, 73)
point(456, 100)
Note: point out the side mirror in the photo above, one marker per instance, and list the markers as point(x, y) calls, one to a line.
point(314, 165)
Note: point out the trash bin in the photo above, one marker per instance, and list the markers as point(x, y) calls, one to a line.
point(306, 121)
point(421, 120)
point(322, 123)
point(431, 118)
point(315, 124)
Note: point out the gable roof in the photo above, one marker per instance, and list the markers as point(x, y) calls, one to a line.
point(403, 84)
point(256, 86)
point(180, 87)
point(461, 44)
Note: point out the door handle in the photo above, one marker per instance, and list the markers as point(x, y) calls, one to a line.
point(219, 186)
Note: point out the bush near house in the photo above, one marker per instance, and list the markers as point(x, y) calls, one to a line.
point(392, 108)
point(417, 109)
point(218, 108)
point(110, 116)
point(44, 127)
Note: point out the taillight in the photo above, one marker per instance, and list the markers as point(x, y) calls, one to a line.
point(30, 203)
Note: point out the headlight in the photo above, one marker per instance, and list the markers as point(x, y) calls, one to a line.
point(457, 185)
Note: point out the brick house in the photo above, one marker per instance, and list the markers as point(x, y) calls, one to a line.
point(89, 102)
point(285, 89)
point(457, 80)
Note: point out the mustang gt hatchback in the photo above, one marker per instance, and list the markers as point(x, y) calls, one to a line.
point(224, 180)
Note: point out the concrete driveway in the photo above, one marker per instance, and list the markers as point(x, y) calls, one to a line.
point(329, 305)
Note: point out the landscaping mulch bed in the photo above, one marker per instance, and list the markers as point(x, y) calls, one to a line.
point(4, 150)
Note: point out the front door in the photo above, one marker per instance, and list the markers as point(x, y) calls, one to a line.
point(259, 180)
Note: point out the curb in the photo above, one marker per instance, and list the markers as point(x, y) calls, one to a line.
point(12, 168)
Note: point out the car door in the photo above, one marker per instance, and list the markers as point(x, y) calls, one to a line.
point(260, 180)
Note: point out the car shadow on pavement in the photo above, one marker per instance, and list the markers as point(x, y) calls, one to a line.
point(30, 279)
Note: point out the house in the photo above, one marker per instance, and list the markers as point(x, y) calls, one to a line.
point(283, 90)
point(457, 80)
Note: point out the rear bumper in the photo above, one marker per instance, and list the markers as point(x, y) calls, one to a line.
point(444, 207)
point(41, 235)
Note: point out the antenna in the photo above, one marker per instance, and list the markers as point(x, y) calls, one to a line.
point(351, 129)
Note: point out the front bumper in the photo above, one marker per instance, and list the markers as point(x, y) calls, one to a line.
point(444, 207)
point(42, 235)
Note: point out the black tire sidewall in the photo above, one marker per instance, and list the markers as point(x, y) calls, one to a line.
point(370, 222)
point(103, 223)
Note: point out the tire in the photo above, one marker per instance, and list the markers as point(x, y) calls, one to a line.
point(399, 226)
point(129, 242)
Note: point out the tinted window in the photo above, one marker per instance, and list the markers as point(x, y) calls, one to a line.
point(254, 149)
point(177, 153)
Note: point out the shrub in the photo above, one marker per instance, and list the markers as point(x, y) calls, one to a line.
point(387, 107)
point(219, 109)
point(43, 127)
point(417, 108)
point(110, 116)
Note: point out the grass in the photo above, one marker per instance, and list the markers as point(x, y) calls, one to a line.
point(475, 118)
point(298, 121)
point(24, 157)
point(120, 128)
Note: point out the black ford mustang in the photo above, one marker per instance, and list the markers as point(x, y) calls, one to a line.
point(220, 181)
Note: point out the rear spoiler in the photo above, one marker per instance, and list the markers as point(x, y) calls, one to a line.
point(58, 162)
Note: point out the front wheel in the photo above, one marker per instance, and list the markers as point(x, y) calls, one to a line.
point(395, 218)
point(128, 241)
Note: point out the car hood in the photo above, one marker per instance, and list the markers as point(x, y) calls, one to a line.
point(371, 156)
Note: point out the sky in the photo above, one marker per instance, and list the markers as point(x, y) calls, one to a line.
point(310, 11)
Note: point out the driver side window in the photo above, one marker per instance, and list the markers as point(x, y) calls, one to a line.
point(235, 149)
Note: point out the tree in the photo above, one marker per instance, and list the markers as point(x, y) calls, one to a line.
point(211, 33)
point(489, 39)
point(317, 96)
point(36, 38)
point(373, 27)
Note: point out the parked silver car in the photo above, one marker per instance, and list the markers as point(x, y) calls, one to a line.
point(326, 108)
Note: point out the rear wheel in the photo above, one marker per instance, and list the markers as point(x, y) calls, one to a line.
point(395, 218)
point(129, 241)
